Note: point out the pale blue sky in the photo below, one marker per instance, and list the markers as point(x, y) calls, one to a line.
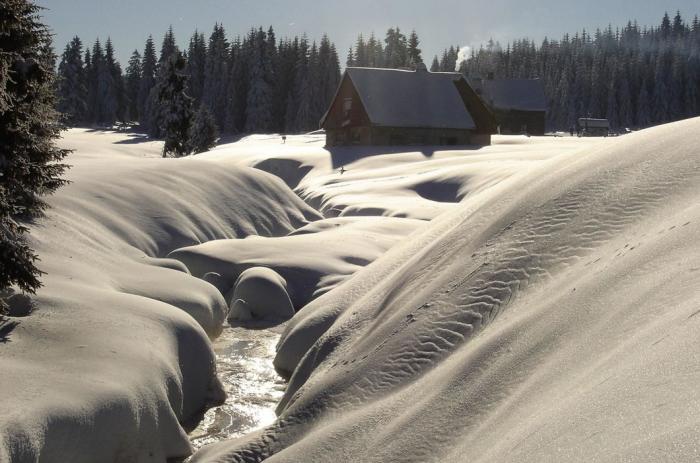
point(439, 23)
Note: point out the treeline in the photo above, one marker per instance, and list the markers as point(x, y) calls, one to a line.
point(397, 51)
point(635, 77)
point(248, 84)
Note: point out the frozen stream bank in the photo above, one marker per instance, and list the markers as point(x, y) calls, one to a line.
point(253, 388)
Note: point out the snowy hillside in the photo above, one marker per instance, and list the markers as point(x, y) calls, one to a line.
point(534, 300)
point(552, 317)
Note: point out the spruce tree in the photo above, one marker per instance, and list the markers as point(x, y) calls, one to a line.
point(215, 75)
point(111, 87)
point(94, 100)
point(147, 82)
point(299, 106)
point(196, 66)
point(414, 53)
point(237, 86)
point(203, 133)
point(72, 92)
point(175, 107)
point(29, 159)
point(259, 99)
point(132, 83)
point(154, 104)
point(435, 66)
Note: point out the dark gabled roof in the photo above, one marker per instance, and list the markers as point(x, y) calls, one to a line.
point(513, 94)
point(397, 98)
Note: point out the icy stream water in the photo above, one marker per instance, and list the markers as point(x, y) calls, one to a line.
point(253, 388)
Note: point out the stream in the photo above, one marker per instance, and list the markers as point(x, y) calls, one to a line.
point(253, 388)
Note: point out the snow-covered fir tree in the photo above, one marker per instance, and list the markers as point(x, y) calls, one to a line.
point(175, 115)
point(29, 159)
point(154, 106)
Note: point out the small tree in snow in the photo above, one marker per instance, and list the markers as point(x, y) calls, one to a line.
point(203, 133)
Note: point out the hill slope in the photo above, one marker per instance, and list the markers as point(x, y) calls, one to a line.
point(552, 317)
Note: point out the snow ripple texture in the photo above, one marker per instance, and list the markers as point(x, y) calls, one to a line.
point(551, 318)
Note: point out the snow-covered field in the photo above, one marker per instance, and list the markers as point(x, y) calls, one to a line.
point(535, 300)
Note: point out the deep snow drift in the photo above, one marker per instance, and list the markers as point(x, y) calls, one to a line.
point(115, 358)
point(548, 315)
point(553, 316)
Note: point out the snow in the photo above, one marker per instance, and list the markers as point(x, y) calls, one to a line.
point(260, 293)
point(550, 317)
point(114, 362)
point(532, 300)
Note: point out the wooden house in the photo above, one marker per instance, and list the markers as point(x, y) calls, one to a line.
point(519, 105)
point(401, 107)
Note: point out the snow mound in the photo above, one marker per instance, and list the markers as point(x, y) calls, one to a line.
point(312, 260)
point(111, 360)
point(552, 317)
point(260, 294)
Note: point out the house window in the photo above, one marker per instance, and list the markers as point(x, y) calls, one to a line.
point(347, 106)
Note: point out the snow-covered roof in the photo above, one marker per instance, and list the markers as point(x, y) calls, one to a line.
point(397, 98)
point(517, 94)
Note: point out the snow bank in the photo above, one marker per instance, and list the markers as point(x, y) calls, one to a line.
point(312, 260)
point(551, 317)
point(260, 293)
point(414, 182)
point(113, 362)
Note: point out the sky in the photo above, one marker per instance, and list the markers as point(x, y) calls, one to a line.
point(439, 23)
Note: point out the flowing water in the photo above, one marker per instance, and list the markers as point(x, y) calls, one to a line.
point(253, 388)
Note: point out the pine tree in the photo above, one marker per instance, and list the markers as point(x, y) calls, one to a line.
point(196, 65)
point(259, 99)
point(414, 53)
point(396, 49)
point(168, 48)
point(96, 66)
point(237, 86)
point(175, 115)
point(132, 83)
point(72, 91)
point(111, 87)
point(435, 67)
point(29, 159)
point(329, 72)
point(285, 75)
point(203, 133)
point(147, 82)
point(155, 110)
point(215, 75)
point(299, 108)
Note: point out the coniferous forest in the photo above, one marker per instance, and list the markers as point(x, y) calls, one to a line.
point(244, 85)
point(635, 76)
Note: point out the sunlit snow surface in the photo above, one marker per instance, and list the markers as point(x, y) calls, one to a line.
point(253, 388)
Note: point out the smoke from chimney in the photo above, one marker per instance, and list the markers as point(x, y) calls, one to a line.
point(462, 56)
